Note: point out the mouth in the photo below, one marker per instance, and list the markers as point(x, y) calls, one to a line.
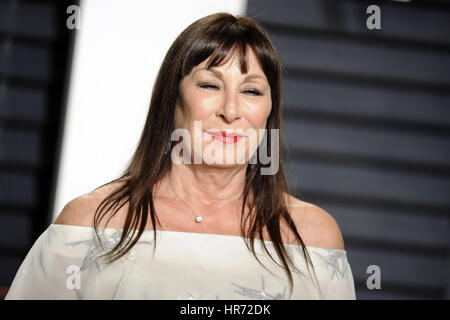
point(225, 137)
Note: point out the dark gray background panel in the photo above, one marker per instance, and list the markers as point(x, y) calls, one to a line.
point(34, 55)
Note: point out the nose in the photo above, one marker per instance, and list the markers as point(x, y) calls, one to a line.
point(229, 110)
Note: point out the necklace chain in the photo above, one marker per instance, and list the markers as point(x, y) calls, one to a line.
point(199, 218)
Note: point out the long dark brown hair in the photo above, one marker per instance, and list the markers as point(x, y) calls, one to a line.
point(214, 37)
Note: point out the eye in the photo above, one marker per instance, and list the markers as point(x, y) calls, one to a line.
point(208, 86)
point(253, 92)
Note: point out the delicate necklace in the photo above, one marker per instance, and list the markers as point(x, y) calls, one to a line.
point(199, 218)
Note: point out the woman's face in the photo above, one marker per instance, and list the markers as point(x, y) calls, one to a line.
point(228, 108)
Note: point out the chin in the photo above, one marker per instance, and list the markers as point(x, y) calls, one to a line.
point(223, 166)
point(234, 160)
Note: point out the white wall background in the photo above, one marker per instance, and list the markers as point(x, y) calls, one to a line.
point(118, 51)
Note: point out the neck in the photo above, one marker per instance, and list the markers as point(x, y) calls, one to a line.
point(207, 184)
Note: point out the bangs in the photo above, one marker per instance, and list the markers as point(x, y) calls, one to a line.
point(222, 54)
point(222, 41)
point(217, 55)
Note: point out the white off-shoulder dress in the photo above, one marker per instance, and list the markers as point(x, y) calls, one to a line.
point(64, 263)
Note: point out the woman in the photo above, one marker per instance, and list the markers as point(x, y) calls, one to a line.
point(219, 89)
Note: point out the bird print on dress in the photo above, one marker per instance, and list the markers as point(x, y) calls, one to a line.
point(182, 294)
point(336, 261)
point(95, 250)
point(188, 292)
point(261, 294)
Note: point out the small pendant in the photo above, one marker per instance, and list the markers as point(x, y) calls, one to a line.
point(198, 219)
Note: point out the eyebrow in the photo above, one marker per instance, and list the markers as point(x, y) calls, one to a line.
point(218, 74)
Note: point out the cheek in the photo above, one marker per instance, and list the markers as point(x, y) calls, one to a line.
point(199, 105)
point(192, 106)
point(259, 114)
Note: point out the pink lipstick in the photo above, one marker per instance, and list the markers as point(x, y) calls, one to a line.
point(225, 137)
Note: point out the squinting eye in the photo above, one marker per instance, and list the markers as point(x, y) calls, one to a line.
point(253, 92)
point(208, 86)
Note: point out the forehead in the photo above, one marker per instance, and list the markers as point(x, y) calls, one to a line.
point(232, 62)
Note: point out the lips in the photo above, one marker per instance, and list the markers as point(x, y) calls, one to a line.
point(225, 137)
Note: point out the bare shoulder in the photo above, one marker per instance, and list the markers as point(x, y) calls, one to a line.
point(80, 210)
point(317, 227)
